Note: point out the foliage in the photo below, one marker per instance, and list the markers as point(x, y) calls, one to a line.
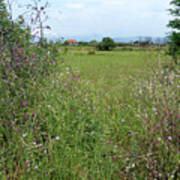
point(97, 122)
point(82, 43)
point(174, 40)
point(66, 43)
point(106, 44)
point(93, 43)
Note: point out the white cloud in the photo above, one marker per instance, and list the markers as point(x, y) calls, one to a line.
point(112, 17)
point(75, 6)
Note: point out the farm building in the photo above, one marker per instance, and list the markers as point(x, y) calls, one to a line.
point(72, 42)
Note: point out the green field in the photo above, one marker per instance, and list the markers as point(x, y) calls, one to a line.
point(114, 72)
point(99, 114)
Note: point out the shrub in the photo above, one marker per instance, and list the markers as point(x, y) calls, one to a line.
point(106, 44)
point(174, 40)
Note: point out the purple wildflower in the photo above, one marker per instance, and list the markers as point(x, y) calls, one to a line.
point(33, 114)
point(20, 64)
point(123, 120)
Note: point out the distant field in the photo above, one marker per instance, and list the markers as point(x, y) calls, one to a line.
point(113, 72)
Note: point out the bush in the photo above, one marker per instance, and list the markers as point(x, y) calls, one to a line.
point(106, 44)
point(174, 40)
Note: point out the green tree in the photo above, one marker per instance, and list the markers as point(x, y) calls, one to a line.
point(4, 21)
point(106, 44)
point(174, 39)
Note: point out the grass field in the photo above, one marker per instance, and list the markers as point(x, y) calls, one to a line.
point(102, 116)
point(114, 72)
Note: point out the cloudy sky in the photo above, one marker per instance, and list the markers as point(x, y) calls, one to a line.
point(115, 18)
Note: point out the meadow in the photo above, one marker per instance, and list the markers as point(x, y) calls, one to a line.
point(98, 115)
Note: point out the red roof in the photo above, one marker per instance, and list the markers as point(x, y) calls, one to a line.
point(71, 40)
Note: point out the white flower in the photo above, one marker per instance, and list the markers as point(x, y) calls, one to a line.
point(169, 138)
point(34, 143)
point(57, 138)
point(24, 135)
point(35, 167)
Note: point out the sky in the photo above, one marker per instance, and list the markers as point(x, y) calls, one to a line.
point(115, 18)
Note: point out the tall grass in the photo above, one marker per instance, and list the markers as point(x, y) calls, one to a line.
point(56, 125)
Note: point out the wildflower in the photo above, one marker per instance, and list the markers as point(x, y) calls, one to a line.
point(35, 167)
point(20, 50)
point(24, 103)
point(140, 91)
point(123, 120)
point(20, 64)
point(24, 135)
point(169, 138)
point(18, 130)
point(57, 138)
point(34, 143)
point(40, 145)
point(9, 65)
point(33, 114)
point(155, 109)
point(4, 124)
point(27, 163)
